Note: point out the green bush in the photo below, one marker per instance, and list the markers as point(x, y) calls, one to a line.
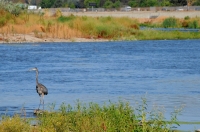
point(66, 18)
point(2, 21)
point(187, 18)
point(170, 22)
point(193, 24)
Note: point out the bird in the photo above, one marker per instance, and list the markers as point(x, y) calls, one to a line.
point(40, 88)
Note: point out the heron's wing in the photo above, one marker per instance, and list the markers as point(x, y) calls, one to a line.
point(41, 89)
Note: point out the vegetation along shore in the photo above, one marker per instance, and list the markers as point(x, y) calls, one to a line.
point(18, 26)
point(92, 117)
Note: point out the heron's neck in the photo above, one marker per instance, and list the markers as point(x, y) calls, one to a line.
point(36, 77)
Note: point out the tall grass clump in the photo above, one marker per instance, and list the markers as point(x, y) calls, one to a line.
point(170, 22)
point(105, 31)
point(5, 17)
point(112, 117)
point(3, 21)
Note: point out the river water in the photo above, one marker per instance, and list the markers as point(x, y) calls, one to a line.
point(166, 73)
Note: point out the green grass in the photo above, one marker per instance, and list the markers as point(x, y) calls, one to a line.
point(166, 35)
point(92, 117)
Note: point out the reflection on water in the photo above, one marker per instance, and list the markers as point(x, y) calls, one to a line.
point(166, 72)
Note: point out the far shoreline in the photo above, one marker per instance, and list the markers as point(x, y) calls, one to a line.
point(141, 16)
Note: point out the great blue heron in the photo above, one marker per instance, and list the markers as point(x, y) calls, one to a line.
point(40, 88)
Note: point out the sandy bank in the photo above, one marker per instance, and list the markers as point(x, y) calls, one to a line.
point(30, 38)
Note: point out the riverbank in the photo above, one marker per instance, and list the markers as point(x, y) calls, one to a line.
point(31, 38)
point(141, 16)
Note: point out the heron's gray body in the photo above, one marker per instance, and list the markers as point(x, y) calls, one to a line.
point(41, 89)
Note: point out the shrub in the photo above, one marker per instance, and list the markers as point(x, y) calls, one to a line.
point(2, 21)
point(187, 18)
point(66, 18)
point(193, 24)
point(170, 22)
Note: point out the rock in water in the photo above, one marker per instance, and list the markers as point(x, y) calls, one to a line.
point(38, 111)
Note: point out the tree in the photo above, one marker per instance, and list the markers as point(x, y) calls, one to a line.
point(86, 2)
point(133, 3)
point(108, 4)
point(71, 5)
point(197, 3)
point(81, 3)
point(117, 4)
point(47, 3)
point(58, 3)
point(178, 2)
point(149, 3)
point(190, 2)
point(165, 3)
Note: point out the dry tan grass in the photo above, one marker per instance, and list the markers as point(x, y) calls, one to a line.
point(42, 27)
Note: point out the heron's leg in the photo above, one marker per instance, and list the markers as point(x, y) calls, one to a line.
point(43, 100)
point(40, 102)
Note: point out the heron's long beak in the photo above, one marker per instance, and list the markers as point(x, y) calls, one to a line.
point(32, 69)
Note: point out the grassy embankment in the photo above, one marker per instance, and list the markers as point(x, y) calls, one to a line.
point(112, 117)
point(68, 27)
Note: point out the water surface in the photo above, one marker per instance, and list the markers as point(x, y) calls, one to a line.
point(166, 72)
